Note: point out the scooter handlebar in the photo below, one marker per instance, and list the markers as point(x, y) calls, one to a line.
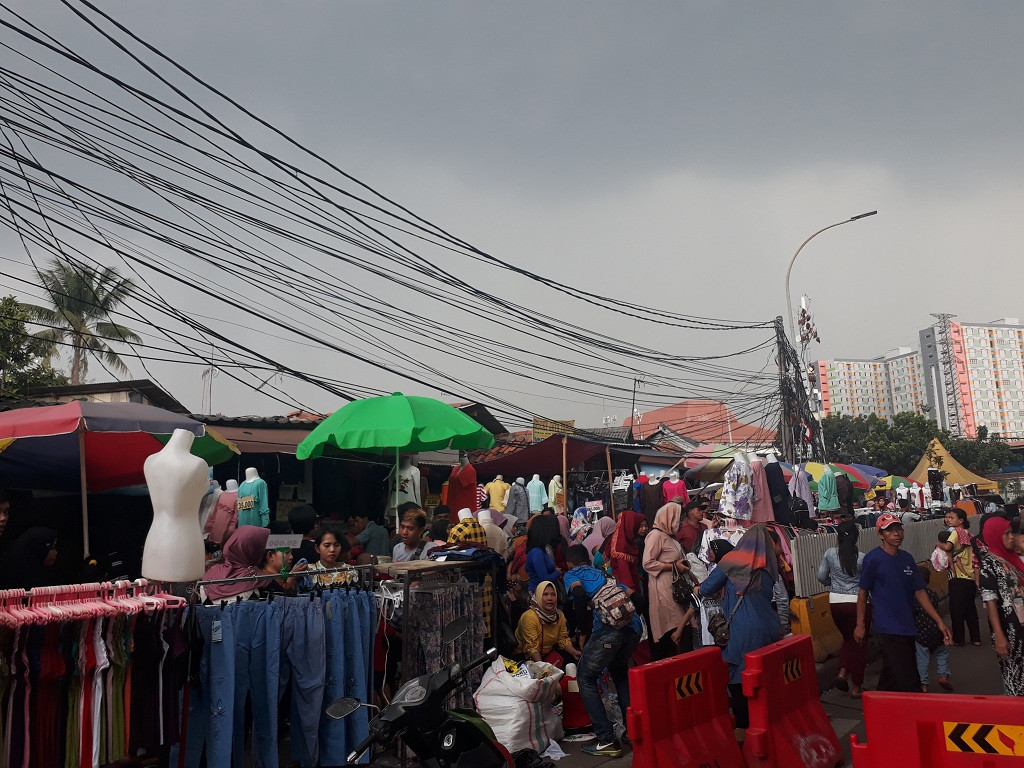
point(490, 655)
point(364, 745)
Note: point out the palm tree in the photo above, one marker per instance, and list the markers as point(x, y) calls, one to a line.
point(82, 299)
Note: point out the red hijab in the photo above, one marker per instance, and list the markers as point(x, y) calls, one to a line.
point(623, 538)
point(993, 532)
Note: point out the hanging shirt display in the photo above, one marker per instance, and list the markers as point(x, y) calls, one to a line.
point(828, 497)
point(538, 495)
point(762, 509)
point(408, 487)
point(844, 492)
point(737, 492)
point(253, 503)
point(778, 489)
point(518, 503)
point(556, 491)
point(462, 488)
point(650, 494)
point(800, 487)
point(671, 489)
point(496, 490)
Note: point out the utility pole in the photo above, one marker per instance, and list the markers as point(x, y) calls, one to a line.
point(951, 382)
point(784, 421)
point(638, 381)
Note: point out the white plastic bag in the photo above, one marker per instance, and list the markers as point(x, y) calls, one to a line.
point(518, 709)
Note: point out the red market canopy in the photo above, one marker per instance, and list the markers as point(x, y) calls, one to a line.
point(543, 458)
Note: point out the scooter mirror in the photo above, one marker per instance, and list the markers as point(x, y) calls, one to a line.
point(342, 708)
point(454, 630)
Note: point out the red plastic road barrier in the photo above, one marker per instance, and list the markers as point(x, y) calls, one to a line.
point(788, 725)
point(938, 730)
point(679, 713)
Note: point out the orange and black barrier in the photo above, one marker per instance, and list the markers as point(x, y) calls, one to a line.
point(788, 725)
point(679, 713)
point(940, 731)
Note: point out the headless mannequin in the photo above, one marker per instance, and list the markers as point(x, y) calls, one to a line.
point(497, 492)
point(763, 511)
point(554, 488)
point(538, 494)
point(828, 498)
point(224, 519)
point(770, 458)
point(462, 485)
point(673, 488)
point(177, 481)
point(408, 486)
point(256, 512)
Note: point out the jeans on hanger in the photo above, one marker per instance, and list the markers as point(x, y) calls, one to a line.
point(303, 659)
point(358, 659)
point(257, 628)
point(211, 701)
point(334, 747)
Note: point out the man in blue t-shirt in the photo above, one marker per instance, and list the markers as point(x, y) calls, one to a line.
point(890, 576)
point(607, 648)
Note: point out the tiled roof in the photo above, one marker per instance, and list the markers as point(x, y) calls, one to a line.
point(503, 446)
point(705, 421)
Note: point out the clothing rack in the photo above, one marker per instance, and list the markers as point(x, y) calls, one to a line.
point(364, 576)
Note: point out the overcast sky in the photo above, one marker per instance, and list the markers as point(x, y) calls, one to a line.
point(673, 154)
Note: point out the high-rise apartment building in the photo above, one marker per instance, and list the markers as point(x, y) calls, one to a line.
point(989, 364)
point(988, 371)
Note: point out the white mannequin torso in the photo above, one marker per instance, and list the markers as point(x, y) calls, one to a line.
point(177, 481)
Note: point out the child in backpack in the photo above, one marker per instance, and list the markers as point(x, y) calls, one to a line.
point(613, 639)
point(929, 640)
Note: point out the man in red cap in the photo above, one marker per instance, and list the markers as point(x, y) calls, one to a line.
point(890, 576)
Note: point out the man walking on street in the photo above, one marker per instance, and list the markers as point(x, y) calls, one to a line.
point(890, 576)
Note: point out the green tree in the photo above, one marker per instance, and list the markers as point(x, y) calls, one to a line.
point(24, 358)
point(82, 300)
point(895, 444)
point(984, 456)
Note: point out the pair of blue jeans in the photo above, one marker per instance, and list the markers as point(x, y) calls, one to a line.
point(303, 662)
point(257, 628)
point(211, 700)
point(924, 657)
point(610, 649)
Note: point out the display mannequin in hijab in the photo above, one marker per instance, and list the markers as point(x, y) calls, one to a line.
point(29, 560)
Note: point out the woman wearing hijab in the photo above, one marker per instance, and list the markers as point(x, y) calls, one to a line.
point(603, 528)
point(27, 561)
point(623, 549)
point(747, 574)
point(244, 555)
point(663, 555)
point(542, 632)
point(1002, 586)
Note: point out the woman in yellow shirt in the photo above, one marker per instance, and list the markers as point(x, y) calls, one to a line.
point(542, 633)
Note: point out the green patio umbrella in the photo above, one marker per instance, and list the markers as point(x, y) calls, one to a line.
point(399, 422)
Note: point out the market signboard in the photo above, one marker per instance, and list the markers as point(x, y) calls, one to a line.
point(545, 428)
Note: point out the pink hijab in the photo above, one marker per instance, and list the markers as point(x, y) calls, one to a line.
point(243, 553)
point(603, 528)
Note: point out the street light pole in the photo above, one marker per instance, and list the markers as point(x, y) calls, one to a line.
point(789, 301)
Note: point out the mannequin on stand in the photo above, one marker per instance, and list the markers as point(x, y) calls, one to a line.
point(538, 494)
point(903, 492)
point(777, 488)
point(555, 488)
point(497, 492)
point(762, 510)
point(956, 493)
point(828, 496)
point(224, 519)
point(177, 480)
point(462, 485)
point(209, 501)
point(737, 492)
point(916, 499)
point(408, 486)
point(651, 496)
point(253, 501)
point(518, 501)
point(674, 487)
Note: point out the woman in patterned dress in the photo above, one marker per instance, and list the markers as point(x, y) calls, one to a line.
point(1002, 592)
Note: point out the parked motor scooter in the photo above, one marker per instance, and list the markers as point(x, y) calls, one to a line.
point(439, 738)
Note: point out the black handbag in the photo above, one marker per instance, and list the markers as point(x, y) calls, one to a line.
point(682, 587)
point(718, 625)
